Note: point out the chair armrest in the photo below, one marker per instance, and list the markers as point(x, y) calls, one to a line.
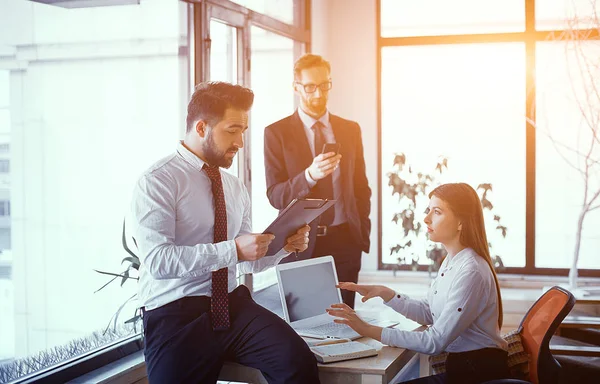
point(571, 350)
point(580, 322)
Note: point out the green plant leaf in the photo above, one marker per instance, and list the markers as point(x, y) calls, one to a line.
point(134, 260)
point(503, 229)
point(133, 319)
point(109, 281)
point(125, 277)
point(485, 186)
point(400, 160)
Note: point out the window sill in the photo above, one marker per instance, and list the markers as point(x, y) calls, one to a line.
point(506, 280)
point(130, 369)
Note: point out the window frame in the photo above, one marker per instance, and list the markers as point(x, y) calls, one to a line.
point(530, 36)
point(199, 15)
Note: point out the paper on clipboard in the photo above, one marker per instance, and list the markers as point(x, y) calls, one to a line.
point(297, 214)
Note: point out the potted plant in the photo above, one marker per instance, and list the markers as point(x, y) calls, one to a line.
point(412, 189)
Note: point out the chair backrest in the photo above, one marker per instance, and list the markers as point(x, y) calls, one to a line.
point(537, 328)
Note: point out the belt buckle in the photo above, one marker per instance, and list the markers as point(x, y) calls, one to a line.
point(321, 230)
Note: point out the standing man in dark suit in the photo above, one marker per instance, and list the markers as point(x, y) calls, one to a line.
point(296, 168)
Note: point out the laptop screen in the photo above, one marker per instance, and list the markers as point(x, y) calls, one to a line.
point(309, 290)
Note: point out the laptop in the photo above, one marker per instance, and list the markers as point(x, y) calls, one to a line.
point(307, 288)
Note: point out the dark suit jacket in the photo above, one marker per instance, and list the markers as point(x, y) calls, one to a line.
point(287, 155)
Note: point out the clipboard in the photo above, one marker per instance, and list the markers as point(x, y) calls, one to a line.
point(297, 214)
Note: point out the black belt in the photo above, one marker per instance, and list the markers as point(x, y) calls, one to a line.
point(323, 230)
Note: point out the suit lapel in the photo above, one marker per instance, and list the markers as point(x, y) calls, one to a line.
point(300, 141)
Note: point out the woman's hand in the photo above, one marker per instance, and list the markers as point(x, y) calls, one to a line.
point(369, 291)
point(346, 315)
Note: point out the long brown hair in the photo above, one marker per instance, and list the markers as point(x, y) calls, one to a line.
point(464, 202)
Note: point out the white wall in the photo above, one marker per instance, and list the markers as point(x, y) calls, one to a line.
point(344, 32)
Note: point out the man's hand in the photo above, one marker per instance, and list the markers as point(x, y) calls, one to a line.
point(252, 246)
point(323, 165)
point(369, 291)
point(298, 242)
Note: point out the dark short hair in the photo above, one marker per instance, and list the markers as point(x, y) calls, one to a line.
point(211, 99)
point(310, 60)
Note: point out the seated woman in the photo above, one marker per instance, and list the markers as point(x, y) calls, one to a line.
point(463, 306)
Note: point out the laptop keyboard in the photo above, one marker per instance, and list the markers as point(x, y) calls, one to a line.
point(329, 329)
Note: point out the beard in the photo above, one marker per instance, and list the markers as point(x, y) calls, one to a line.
point(213, 155)
point(316, 106)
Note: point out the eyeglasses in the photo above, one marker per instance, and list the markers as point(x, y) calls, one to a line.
point(311, 88)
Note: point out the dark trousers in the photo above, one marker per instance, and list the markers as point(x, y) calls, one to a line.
point(346, 253)
point(473, 367)
point(181, 346)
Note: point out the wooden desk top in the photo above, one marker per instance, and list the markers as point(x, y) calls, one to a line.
point(588, 300)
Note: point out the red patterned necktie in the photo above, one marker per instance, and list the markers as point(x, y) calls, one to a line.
point(219, 301)
point(324, 187)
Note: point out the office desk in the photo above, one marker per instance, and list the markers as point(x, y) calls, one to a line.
point(378, 369)
point(369, 370)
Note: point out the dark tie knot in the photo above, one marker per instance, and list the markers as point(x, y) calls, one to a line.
point(317, 126)
point(212, 172)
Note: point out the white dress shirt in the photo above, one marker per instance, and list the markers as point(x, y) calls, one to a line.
point(172, 221)
point(461, 309)
point(308, 122)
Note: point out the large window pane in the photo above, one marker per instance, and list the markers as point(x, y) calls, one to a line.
point(464, 102)
point(566, 14)
point(94, 97)
point(568, 155)
point(441, 17)
point(278, 9)
point(272, 78)
point(224, 64)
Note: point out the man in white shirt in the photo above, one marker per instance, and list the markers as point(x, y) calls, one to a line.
point(192, 227)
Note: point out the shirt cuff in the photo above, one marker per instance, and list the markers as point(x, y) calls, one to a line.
point(394, 300)
point(386, 336)
point(398, 302)
point(227, 251)
point(309, 180)
point(280, 255)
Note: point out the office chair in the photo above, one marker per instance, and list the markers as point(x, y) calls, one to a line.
point(536, 329)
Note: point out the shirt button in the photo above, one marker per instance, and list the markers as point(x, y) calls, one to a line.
point(398, 296)
point(432, 314)
point(435, 293)
point(442, 275)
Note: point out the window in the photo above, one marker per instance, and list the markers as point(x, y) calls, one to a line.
point(440, 17)
point(566, 14)
point(465, 103)
point(509, 103)
point(224, 64)
point(122, 75)
point(282, 10)
point(271, 78)
point(4, 166)
point(568, 155)
point(256, 50)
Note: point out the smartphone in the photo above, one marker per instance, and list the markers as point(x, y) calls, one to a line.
point(331, 147)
